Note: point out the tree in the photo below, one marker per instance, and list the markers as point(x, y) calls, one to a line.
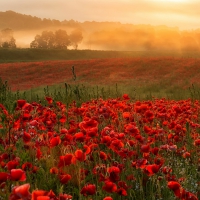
point(50, 40)
point(44, 41)
point(75, 38)
point(6, 38)
point(62, 40)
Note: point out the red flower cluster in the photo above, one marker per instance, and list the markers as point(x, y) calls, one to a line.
point(104, 146)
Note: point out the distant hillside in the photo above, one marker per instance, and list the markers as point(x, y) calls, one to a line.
point(17, 21)
point(104, 35)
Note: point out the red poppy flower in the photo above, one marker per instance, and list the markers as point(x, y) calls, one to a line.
point(108, 198)
point(126, 97)
point(12, 164)
point(65, 197)
point(155, 150)
point(152, 169)
point(140, 163)
point(123, 184)
point(89, 189)
point(80, 155)
point(109, 187)
point(116, 144)
point(2, 107)
point(21, 192)
point(145, 148)
point(55, 141)
point(63, 119)
point(64, 178)
point(27, 166)
point(43, 198)
point(49, 100)
point(4, 156)
point(87, 149)
point(68, 159)
point(88, 123)
point(79, 137)
point(159, 161)
point(106, 140)
point(114, 173)
point(93, 146)
point(17, 175)
point(3, 177)
point(16, 124)
point(64, 131)
point(122, 192)
point(113, 169)
point(54, 170)
point(132, 142)
point(188, 195)
point(147, 129)
point(186, 155)
point(33, 123)
point(126, 115)
point(38, 193)
point(131, 129)
point(35, 169)
point(103, 155)
point(173, 185)
point(51, 194)
point(197, 142)
point(27, 116)
point(26, 137)
point(176, 187)
point(21, 103)
point(92, 132)
point(38, 153)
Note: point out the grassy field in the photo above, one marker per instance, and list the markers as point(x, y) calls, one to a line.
point(99, 125)
point(140, 77)
point(28, 55)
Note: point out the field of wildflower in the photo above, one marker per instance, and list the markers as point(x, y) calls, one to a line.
point(64, 146)
point(139, 71)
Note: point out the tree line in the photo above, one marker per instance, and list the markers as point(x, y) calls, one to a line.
point(46, 40)
point(19, 22)
point(6, 38)
point(57, 40)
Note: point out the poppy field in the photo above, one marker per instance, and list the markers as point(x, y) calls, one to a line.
point(98, 143)
point(103, 149)
point(129, 71)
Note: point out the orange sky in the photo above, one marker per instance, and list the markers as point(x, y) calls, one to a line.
point(184, 14)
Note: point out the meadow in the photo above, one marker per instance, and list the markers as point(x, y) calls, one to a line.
point(121, 125)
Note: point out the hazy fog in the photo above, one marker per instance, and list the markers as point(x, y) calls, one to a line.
point(103, 35)
point(127, 37)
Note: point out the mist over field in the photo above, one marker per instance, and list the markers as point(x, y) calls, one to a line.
point(104, 35)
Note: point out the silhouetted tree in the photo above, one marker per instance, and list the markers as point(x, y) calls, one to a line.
point(61, 39)
point(75, 38)
point(6, 38)
point(44, 41)
point(50, 40)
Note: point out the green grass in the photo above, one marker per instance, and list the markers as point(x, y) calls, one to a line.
point(81, 93)
point(25, 55)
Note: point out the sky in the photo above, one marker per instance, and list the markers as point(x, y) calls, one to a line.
point(184, 14)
